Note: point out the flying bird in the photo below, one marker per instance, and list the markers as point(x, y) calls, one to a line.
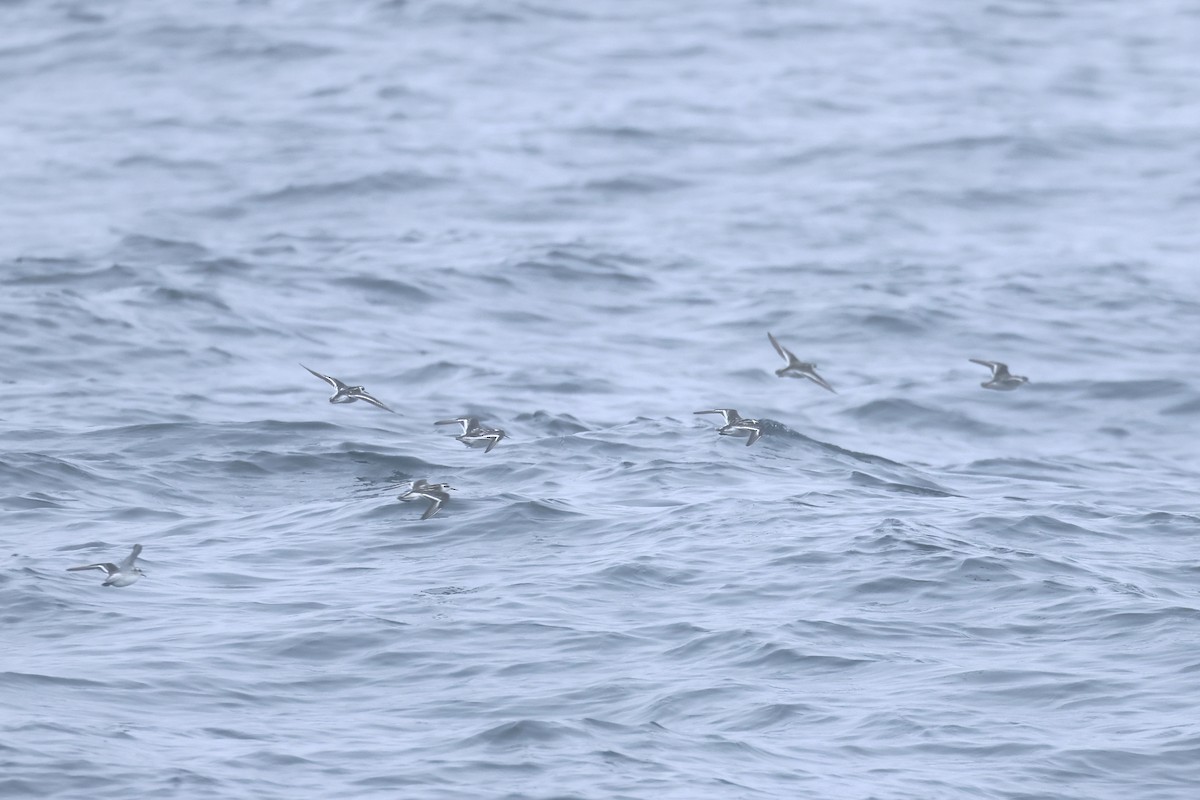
point(121, 574)
point(736, 424)
point(435, 493)
point(475, 435)
point(348, 394)
point(1002, 380)
point(795, 367)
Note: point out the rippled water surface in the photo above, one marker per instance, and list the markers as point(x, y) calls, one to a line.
point(579, 222)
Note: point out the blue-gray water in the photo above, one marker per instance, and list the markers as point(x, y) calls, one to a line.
point(579, 221)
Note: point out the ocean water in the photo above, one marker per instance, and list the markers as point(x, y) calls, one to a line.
point(579, 222)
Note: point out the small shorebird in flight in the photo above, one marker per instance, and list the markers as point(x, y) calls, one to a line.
point(1002, 380)
point(348, 394)
point(736, 424)
point(795, 367)
point(121, 574)
point(435, 493)
point(475, 435)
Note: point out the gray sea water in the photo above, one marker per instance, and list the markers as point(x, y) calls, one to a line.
point(579, 221)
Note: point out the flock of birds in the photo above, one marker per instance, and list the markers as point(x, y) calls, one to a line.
point(737, 425)
point(475, 435)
